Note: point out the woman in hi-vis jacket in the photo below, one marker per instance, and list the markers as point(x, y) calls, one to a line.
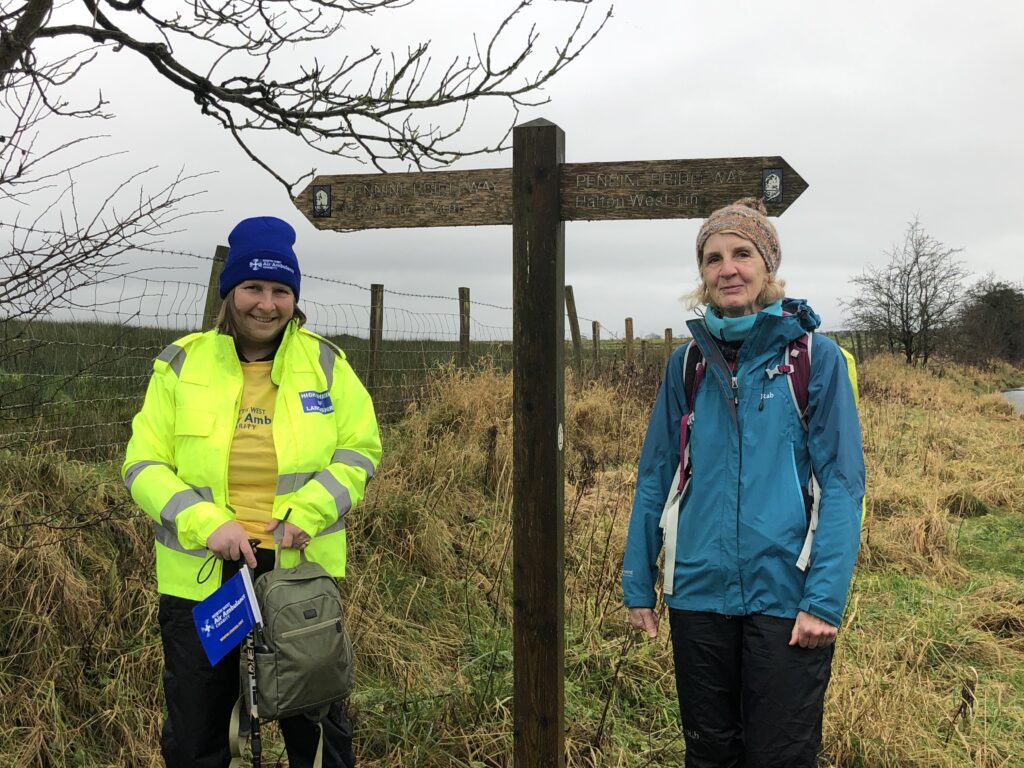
point(256, 430)
point(757, 505)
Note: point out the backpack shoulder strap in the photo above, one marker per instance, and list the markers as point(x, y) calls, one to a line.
point(798, 355)
point(692, 372)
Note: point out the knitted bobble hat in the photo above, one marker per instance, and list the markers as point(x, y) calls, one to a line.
point(260, 248)
point(747, 218)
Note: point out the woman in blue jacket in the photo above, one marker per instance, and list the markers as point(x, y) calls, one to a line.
point(755, 583)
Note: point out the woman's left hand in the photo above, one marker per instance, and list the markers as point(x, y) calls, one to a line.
point(293, 537)
point(811, 632)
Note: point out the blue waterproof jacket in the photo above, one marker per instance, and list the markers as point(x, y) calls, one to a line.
point(743, 518)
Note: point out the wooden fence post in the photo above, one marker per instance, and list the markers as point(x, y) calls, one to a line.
point(643, 352)
point(574, 329)
point(463, 357)
point(213, 290)
point(538, 469)
point(596, 333)
point(668, 344)
point(629, 341)
point(376, 335)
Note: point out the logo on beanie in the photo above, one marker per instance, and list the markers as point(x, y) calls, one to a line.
point(771, 185)
point(259, 265)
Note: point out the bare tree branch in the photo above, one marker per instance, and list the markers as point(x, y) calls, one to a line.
point(370, 106)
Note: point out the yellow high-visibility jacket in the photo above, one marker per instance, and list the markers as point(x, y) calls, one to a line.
point(176, 465)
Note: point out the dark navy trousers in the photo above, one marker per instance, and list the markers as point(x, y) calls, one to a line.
point(747, 699)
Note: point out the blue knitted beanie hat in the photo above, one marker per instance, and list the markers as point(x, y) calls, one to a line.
point(260, 248)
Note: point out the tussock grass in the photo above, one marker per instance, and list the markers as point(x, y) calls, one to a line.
point(929, 669)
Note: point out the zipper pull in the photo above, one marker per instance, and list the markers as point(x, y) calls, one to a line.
point(735, 391)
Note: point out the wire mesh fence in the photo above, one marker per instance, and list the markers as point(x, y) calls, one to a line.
point(73, 382)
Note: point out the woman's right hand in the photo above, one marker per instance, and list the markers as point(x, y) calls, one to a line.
point(230, 542)
point(644, 619)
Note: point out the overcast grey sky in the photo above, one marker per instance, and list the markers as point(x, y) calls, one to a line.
point(889, 110)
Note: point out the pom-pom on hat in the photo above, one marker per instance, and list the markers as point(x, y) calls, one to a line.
point(260, 248)
point(747, 218)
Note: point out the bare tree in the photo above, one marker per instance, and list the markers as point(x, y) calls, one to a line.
point(233, 60)
point(913, 299)
point(58, 242)
point(991, 322)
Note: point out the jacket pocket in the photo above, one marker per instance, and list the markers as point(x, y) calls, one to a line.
point(192, 422)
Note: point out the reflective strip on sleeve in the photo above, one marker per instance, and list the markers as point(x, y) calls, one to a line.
point(293, 481)
point(170, 540)
point(334, 527)
point(327, 356)
point(181, 501)
point(174, 356)
point(342, 501)
point(353, 459)
point(137, 467)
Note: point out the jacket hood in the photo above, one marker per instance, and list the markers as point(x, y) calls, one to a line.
point(808, 318)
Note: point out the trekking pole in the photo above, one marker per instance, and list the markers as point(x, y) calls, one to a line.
point(249, 648)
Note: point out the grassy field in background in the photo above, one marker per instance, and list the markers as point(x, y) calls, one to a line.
point(929, 668)
point(76, 386)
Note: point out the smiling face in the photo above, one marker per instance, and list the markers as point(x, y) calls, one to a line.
point(734, 273)
point(261, 309)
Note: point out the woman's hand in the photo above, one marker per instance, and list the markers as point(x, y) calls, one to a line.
point(811, 632)
point(293, 536)
point(644, 619)
point(230, 542)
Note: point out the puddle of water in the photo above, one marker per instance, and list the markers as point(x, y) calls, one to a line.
point(1016, 396)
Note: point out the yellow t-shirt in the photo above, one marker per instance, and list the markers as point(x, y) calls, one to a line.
point(252, 468)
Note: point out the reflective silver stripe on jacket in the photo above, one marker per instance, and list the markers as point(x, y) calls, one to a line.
point(134, 470)
point(342, 501)
point(181, 501)
point(166, 531)
point(327, 356)
point(174, 356)
point(353, 459)
point(333, 528)
point(293, 481)
point(170, 540)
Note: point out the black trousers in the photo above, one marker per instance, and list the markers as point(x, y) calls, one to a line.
point(747, 699)
point(200, 698)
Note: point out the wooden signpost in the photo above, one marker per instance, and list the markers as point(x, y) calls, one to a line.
point(536, 196)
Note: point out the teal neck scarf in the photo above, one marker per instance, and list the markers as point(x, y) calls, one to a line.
point(736, 328)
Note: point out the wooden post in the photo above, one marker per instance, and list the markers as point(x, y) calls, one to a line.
point(643, 353)
point(213, 290)
point(376, 335)
point(574, 329)
point(596, 333)
point(536, 195)
point(629, 341)
point(463, 358)
point(668, 344)
point(538, 389)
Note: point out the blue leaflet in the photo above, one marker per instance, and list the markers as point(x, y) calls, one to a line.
point(227, 616)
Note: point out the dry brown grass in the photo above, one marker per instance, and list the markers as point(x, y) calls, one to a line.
point(429, 591)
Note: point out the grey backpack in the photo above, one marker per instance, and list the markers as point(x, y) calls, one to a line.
point(303, 651)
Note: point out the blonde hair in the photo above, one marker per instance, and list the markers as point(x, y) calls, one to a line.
point(225, 322)
point(773, 290)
